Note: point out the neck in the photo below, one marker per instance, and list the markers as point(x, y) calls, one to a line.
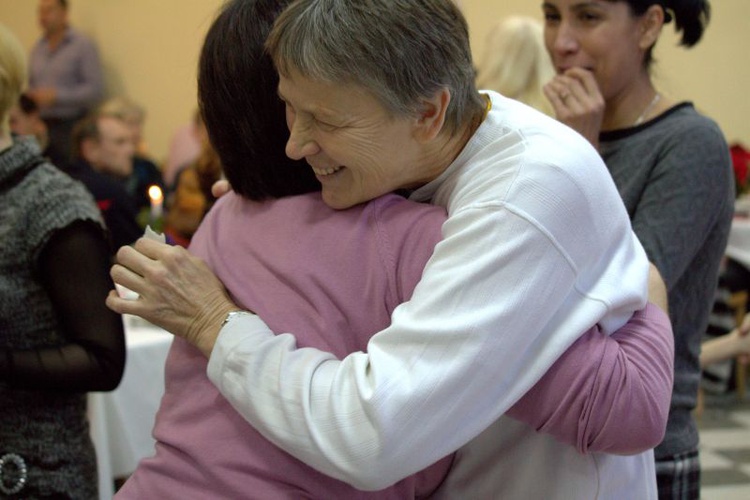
point(624, 110)
point(55, 36)
point(447, 150)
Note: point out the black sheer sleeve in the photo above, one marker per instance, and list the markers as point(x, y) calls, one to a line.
point(74, 268)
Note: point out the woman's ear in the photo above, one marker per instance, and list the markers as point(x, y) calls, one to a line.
point(431, 117)
point(650, 26)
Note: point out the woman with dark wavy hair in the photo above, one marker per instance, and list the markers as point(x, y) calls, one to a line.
point(671, 165)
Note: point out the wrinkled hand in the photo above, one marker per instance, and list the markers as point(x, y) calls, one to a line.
point(577, 102)
point(177, 291)
point(220, 188)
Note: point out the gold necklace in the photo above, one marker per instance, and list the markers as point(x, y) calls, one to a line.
point(648, 109)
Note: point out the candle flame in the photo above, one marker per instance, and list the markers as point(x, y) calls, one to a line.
point(154, 192)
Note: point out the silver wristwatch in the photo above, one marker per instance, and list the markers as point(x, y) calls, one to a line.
point(230, 316)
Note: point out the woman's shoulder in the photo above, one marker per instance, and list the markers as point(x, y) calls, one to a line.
point(56, 199)
point(685, 116)
point(681, 127)
point(54, 185)
point(680, 118)
point(684, 128)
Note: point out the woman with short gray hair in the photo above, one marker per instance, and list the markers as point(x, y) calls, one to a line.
point(537, 248)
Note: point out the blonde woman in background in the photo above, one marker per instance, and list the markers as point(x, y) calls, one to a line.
point(516, 63)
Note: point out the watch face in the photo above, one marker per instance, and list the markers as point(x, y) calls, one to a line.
point(231, 315)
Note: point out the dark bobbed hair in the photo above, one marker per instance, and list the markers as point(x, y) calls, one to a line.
point(690, 17)
point(237, 96)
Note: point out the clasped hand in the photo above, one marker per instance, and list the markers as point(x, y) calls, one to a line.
point(577, 102)
point(176, 291)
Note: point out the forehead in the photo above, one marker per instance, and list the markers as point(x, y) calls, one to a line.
point(318, 96)
point(112, 127)
point(50, 5)
point(576, 4)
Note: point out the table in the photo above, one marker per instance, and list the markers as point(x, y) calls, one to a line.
point(121, 420)
point(738, 246)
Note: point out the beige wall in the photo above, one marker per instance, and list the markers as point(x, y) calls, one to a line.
point(150, 50)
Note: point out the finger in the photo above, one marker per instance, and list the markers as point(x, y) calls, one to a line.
point(557, 96)
point(129, 257)
point(154, 250)
point(220, 188)
point(586, 79)
point(558, 86)
point(120, 305)
point(745, 327)
point(125, 277)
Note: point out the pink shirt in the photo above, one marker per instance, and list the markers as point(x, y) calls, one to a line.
point(305, 268)
point(317, 272)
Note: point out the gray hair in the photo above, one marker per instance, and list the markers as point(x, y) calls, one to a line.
point(402, 51)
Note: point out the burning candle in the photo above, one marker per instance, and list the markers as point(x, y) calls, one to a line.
point(157, 202)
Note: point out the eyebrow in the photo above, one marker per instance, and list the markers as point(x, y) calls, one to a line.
point(579, 5)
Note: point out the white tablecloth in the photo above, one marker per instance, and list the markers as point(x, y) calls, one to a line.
point(121, 420)
point(738, 246)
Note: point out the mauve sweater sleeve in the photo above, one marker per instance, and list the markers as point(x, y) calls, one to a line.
point(607, 394)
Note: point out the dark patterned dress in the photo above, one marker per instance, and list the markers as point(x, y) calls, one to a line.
point(44, 431)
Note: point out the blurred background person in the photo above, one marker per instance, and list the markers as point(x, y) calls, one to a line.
point(57, 338)
point(65, 76)
point(735, 344)
point(144, 172)
point(26, 121)
point(134, 115)
point(516, 63)
point(192, 198)
point(102, 158)
point(184, 148)
point(671, 166)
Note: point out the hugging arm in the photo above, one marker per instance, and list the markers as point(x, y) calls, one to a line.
point(351, 438)
point(607, 394)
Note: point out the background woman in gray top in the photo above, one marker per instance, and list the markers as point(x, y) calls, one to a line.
point(671, 166)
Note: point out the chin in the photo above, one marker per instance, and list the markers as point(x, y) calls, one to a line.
point(335, 202)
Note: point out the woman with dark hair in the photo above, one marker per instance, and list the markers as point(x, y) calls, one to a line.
point(304, 261)
point(334, 278)
point(671, 165)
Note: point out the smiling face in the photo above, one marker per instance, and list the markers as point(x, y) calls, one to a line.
point(598, 35)
point(357, 149)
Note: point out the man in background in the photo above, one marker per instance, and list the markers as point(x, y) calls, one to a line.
point(103, 154)
point(65, 76)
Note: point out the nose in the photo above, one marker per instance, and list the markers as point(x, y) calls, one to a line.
point(301, 144)
point(564, 39)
